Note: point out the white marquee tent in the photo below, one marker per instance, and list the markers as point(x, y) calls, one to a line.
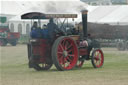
point(109, 14)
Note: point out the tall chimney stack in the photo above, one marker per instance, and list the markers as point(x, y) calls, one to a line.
point(84, 22)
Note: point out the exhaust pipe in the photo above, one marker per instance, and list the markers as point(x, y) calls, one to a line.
point(84, 23)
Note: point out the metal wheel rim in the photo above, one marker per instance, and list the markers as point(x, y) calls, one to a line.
point(67, 53)
point(98, 58)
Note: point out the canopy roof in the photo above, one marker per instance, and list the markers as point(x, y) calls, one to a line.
point(38, 15)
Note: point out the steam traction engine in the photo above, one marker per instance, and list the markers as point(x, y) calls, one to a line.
point(66, 51)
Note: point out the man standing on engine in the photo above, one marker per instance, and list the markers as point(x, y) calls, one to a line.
point(52, 28)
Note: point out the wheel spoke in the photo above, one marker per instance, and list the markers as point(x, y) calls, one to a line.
point(65, 48)
point(69, 46)
point(66, 45)
point(70, 50)
point(68, 58)
point(97, 55)
point(64, 62)
point(62, 48)
point(60, 53)
point(97, 63)
point(63, 44)
point(71, 55)
point(65, 59)
point(60, 59)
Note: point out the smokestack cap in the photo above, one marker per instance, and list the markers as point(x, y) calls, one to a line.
point(84, 11)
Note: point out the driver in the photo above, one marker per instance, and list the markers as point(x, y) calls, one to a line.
point(52, 27)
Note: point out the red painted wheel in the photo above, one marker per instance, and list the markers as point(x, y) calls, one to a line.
point(64, 53)
point(97, 58)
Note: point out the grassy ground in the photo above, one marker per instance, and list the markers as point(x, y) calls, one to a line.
point(15, 71)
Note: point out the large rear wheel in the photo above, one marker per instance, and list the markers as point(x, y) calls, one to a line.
point(97, 58)
point(64, 53)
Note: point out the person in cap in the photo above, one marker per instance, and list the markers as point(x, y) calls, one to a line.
point(35, 26)
point(52, 28)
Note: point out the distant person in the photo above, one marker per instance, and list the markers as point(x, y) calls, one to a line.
point(45, 31)
point(34, 26)
point(36, 31)
point(74, 31)
point(44, 26)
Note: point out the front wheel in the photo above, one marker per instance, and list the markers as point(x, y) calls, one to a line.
point(97, 58)
point(64, 53)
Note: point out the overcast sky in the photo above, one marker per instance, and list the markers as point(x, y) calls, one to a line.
point(16, 7)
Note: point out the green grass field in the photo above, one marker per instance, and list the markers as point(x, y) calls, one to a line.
point(14, 70)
